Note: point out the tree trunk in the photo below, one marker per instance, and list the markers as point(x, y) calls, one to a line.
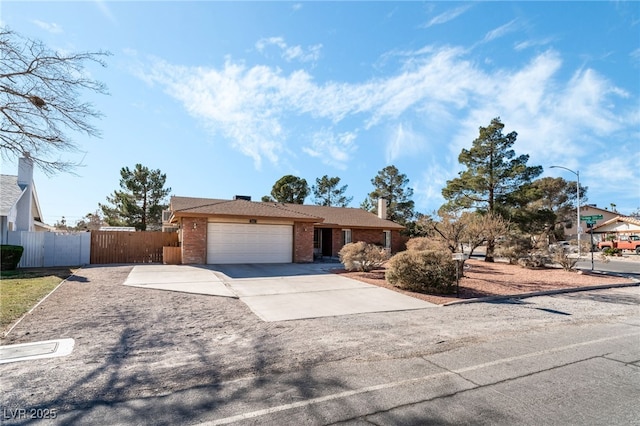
point(491, 245)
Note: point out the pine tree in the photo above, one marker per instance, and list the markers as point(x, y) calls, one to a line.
point(391, 185)
point(494, 179)
point(290, 189)
point(327, 192)
point(141, 200)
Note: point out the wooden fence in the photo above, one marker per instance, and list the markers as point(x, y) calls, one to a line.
point(130, 247)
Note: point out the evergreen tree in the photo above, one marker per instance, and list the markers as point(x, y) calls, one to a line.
point(290, 189)
point(327, 192)
point(141, 200)
point(494, 179)
point(391, 185)
point(550, 207)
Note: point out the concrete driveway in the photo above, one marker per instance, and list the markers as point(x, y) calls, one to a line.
point(277, 292)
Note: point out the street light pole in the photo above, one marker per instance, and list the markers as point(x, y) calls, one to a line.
point(577, 173)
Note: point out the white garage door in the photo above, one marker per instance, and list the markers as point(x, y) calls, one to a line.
point(249, 243)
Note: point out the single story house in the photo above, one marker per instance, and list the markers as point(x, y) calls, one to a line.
point(619, 226)
point(19, 205)
point(570, 231)
point(215, 231)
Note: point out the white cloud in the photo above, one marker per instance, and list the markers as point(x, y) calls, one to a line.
point(332, 149)
point(290, 53)
point(51, 27)
point(106, 12)
point(403, 141)
point(427, 189)
point(447, 16)
point(522, 45)
point(501, 31)
point(254, 107)
point(635, 56)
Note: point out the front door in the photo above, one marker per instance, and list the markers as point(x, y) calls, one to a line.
point(327, 243)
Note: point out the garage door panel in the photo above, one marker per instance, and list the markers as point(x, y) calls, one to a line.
point(249, 243)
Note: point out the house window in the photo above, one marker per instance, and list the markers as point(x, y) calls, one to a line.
point(317, 239)
point(387, 239)
point(346, 236)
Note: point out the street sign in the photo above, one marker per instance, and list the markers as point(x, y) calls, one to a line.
point(591, 222)
point(591, 218)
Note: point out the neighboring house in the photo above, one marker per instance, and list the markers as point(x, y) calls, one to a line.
point(619, 226)
point(589, 210)
point(243, 231)
point(20, 209)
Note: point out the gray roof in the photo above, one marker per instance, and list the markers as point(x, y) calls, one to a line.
point(345, 217)
point(9, 193)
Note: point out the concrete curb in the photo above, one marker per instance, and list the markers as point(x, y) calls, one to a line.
point(636, 283)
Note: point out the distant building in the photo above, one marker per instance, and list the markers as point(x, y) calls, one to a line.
point(571, 233)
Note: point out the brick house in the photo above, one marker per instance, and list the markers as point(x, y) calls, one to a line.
point(244, 231)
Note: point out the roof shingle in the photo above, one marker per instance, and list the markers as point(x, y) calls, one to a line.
point(10, 192)
point(345, 217)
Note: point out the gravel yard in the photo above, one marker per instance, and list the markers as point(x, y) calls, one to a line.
point(133, 342)
point(482, 279)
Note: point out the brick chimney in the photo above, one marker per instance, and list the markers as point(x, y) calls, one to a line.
point(382, 208)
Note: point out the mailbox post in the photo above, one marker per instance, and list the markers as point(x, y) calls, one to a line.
point(458, 257)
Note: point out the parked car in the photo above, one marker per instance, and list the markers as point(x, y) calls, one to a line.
point(564, 246)
point(631, 242)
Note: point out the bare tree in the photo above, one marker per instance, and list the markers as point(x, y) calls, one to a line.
point(40, 100)
point(456, 228)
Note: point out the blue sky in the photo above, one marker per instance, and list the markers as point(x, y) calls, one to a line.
point(227, 97)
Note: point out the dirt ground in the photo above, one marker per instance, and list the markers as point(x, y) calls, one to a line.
point(482, 279)
point(135, 343)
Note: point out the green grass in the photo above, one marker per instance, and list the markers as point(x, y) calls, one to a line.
point(21, 290)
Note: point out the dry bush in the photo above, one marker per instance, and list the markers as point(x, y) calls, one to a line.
point(427, 271)
point(514, 248)
point(425, 243)
point(561, 257)
point(534, 260)
point(362, 256)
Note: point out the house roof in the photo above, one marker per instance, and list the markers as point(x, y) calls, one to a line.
point(188, 206)
point(618, 219)
point(337, 216)
point(10, 193)
point(347, 217)
point(588, 207)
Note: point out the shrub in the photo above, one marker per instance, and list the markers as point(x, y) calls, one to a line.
point(562, 258)
point(10, 256)
point(534, 260)
point(362, 256)
point(610, 251)
point(427, 271)
point(424, 243)
point(514, 249)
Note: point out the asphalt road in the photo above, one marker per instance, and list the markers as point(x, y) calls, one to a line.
point(627, 267)
point(564, 359)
